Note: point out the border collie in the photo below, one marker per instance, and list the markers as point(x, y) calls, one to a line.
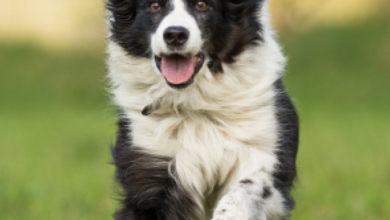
point(206, 129)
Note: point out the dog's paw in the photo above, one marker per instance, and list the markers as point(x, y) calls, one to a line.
point(226, 214)
point(232, 209)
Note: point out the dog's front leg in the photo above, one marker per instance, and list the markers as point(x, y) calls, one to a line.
point(251, 198)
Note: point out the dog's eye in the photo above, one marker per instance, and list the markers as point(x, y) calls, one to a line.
point(155, 6)
point(201, 5)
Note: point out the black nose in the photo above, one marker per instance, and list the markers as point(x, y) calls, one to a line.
point(176, 36)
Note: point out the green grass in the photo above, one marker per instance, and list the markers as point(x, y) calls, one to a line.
point(56, 125)
point(56, 129)
point(339, 79)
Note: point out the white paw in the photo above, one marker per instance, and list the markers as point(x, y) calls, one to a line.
point(225, 214)
point(236, 206)
point(230, 208)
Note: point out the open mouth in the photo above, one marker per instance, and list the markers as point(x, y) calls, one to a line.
point(179, 70)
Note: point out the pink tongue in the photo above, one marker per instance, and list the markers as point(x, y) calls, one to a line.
point(177, 69)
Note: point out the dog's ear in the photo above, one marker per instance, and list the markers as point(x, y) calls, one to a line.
point(236, 10)
point(123, 11)
point(244, 1)
point(240, 29)
point(236, 1)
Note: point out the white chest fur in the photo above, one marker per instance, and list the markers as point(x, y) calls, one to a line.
point(208, 147)
point(211, 127)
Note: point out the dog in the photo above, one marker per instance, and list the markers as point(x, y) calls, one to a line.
point(206, 129)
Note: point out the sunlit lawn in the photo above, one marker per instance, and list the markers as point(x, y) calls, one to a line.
point(57, 123)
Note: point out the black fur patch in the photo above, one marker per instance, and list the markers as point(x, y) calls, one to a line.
point(147, 110)
point(231, 31)
point(266, 192)
point(287, 144)
point(149, 191)
point(133, 24)
point(246, 181)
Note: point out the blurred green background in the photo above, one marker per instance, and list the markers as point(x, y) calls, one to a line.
point(57, 121)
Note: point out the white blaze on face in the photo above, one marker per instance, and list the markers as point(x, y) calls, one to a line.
point(179, 17)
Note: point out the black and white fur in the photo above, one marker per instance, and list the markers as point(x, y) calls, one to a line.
point(223, 145)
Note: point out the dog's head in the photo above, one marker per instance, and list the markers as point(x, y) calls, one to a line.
point(184, 38)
